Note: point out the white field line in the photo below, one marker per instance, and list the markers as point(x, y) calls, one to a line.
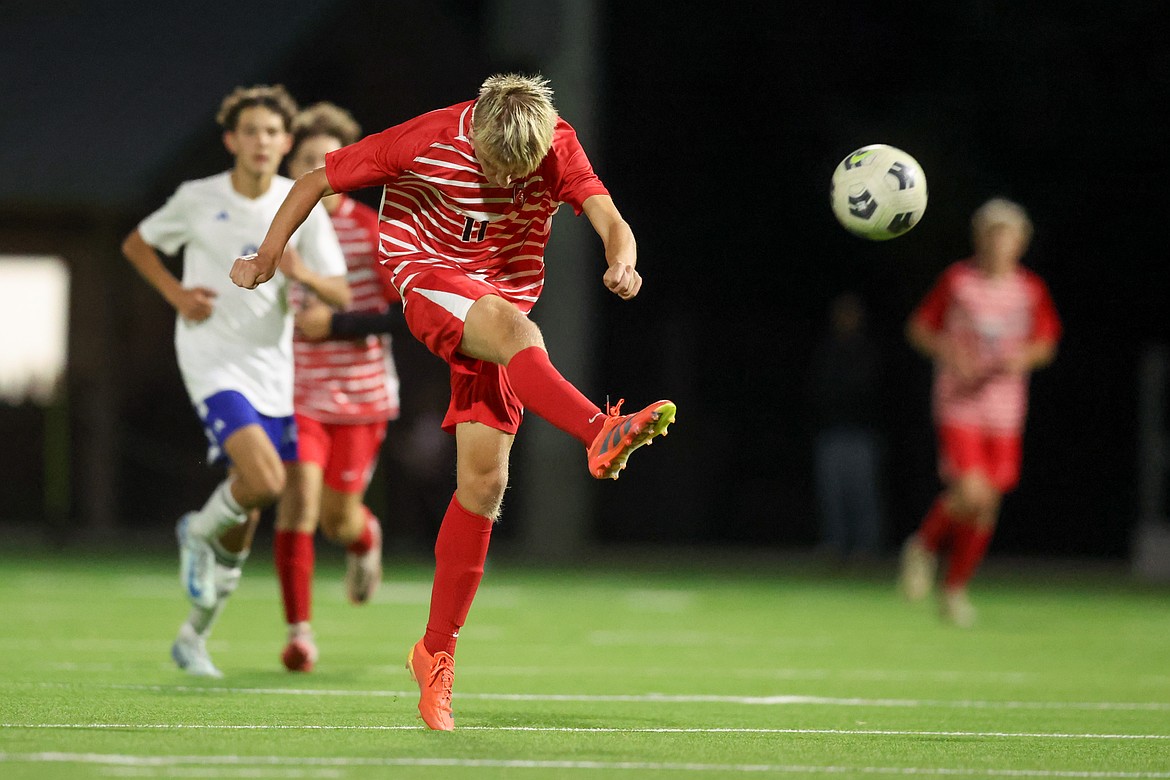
point(206, 771)
point(122, 760)
point(662, 698)
point(590, 730)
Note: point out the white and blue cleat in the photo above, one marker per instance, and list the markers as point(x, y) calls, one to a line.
point(190, 654)
point(196, 565)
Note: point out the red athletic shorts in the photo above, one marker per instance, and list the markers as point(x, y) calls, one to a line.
point(964, 449)
point(436, 305)
point(346, 453)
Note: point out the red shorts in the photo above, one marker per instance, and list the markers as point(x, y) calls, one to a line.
point(436, 305)
point(996, 456)
point(346, 453)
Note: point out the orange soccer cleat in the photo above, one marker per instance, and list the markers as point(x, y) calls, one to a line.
point(621, 434)
point(435, 674)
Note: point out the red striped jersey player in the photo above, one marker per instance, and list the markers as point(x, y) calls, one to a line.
point(986, 324)
point(469, 194)
point(345, 389)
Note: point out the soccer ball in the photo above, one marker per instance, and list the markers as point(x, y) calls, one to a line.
point(878, 192)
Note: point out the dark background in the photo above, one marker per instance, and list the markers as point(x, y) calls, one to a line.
point(719, 127)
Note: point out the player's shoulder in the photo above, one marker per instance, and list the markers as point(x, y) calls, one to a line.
point(281, 184)
point(214, 185)
point(1031, 280)
point(959, 271)
point(453, 120)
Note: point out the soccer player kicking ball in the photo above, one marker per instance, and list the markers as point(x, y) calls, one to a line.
point(469, 195)
point(234, 348)
point(987, 324)
point(345, 390)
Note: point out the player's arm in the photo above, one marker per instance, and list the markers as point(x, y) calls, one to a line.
point(192, 303)
point(251, 271)
point(621, 250)
point(333, 290)
point(939, 346)
point(1031, 356)
point(318, 322)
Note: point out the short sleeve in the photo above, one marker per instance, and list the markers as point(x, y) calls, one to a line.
point(374, 160)
point(169, 228)
point(932, 311)
point(1046, 326)
point(318, 245)
point(576, 182)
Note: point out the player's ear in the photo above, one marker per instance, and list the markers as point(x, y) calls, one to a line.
point(229, 142)
point(286, 146)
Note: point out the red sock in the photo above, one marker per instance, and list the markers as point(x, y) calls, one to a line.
point(970, 545)
point(294, 554)
point(936, 526)
point(541, 388)
point(460, 552)
point(363, 543)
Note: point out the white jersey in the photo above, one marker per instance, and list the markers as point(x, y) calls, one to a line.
point(246, 343)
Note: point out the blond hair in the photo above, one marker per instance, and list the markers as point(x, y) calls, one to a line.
point(513, 121)
point(1001, 211)
point(275, 98)
point(325, 118)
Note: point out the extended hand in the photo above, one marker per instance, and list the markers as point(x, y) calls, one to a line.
point(250, 271)
point(623, 280)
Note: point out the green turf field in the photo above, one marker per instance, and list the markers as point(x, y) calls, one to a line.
point(663, 672)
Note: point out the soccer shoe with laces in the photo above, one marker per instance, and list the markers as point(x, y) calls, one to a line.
point(363, 573)
point(621, 434)
point(196, 565)
point(435, 674)
point(190, 654)
point(916, 575)
point(300, 654)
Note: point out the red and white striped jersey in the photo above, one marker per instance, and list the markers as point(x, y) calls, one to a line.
point(438, 209)
point(992, 317)
point(350, 382)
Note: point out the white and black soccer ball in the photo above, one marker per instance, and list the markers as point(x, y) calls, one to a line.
point(878, 192)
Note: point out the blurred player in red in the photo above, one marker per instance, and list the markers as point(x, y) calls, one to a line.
point(469, 195)
point(345, 391)
point(987, 324)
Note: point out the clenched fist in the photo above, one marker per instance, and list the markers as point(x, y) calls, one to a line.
point(250, 271)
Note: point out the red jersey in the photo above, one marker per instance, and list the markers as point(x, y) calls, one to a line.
point(349, 382)
point(439, 210)
point(992, 317)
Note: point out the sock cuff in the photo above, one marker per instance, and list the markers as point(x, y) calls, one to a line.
point(457, 509)
point(232, 560)
point(229, 500)
point(529, 354)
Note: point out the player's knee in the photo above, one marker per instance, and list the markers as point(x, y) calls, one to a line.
point(482, 492)
point(265, 485)
point(510, 325)
point(340, 526)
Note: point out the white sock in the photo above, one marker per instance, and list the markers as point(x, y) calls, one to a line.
point(200, 620)
point(220, 513)
point(227, 579)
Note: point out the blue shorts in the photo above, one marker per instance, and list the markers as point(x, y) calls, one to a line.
point(227, 411)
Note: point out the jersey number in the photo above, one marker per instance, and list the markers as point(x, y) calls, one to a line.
point(469, 228)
